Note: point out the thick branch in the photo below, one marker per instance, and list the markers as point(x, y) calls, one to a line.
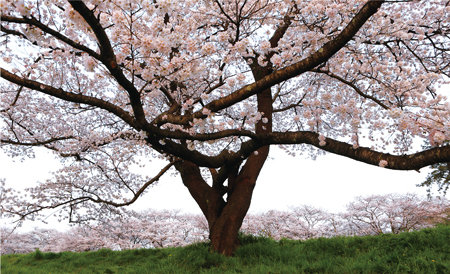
point(106, 49)
point(279, 33)
point(68, 96)
point(180, 135)
point(414, 161)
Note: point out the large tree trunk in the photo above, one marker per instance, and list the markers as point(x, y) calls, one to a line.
point(224, 228)
point(224, 217)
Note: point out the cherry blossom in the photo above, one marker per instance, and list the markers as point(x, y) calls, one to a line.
point(205, 85)
point(383, 163)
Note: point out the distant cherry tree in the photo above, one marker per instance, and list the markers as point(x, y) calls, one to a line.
point(208, 86)
point(299, 223)
point(393, 213)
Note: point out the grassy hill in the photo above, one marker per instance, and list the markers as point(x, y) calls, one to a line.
point(426, 251)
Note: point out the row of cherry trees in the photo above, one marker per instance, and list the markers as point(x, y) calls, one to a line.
point(371, 215)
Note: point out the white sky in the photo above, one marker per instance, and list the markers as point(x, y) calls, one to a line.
point(329, 182)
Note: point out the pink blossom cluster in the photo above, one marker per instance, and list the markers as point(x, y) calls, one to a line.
point(371, 215)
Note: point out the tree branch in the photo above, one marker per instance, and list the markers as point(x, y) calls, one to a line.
point(350, 84)
point(141, 190)
point(108, 58)
point(37, 143)
point(414, 161)
point(98, 200)
point(71, 97)
point(34, 22)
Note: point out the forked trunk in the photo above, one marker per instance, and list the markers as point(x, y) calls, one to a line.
point(224, 217)
point(224, 224)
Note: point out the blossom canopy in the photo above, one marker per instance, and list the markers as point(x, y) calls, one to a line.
point(209, 86)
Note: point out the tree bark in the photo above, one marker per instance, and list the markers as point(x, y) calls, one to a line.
point(225, 227)
point(224, 217)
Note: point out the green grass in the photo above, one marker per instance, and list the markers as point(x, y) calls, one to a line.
point(426, 251)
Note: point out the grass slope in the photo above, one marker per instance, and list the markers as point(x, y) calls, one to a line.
point(426, 251)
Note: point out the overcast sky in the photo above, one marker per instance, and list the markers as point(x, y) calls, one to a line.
point(329, 182)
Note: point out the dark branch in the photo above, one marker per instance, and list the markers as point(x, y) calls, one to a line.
point(414, 161)
point(68, 96)
point(36, 143)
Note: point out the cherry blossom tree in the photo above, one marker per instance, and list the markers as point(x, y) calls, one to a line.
point(300, 223)
point(146, 229)
point(393, 213)
point(209, 86)
point(44, 239)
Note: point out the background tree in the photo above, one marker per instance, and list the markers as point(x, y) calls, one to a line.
point(393, 213)
point(439, 175)
point(209, 86)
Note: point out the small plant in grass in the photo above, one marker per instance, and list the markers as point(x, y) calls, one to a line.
point(38, 255)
